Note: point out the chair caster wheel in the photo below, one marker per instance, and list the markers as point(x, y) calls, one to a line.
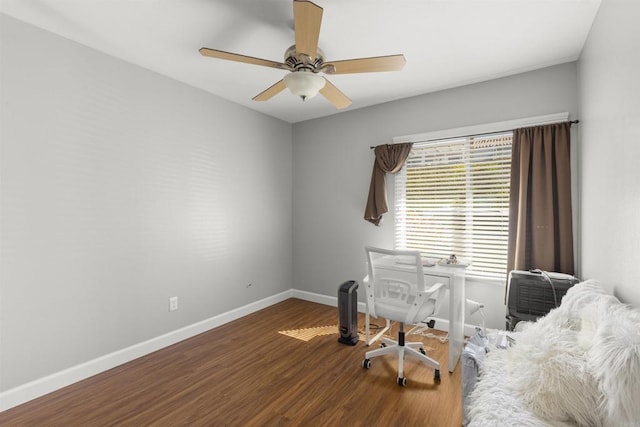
point(421, 350)
point(366, 363)
point(436, 375)
point(402, 381)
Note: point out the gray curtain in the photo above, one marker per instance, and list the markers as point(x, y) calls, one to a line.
point(540, 224)
point(389, 159)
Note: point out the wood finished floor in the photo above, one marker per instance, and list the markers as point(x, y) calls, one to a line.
point(245, 373)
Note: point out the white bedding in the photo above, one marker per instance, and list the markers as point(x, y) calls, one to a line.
point(579, 365)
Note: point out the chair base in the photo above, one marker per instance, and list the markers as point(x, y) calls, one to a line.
point(402, 348)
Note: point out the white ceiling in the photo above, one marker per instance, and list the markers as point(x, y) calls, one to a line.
point(447, 43)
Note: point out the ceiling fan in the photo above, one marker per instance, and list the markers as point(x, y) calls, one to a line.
point(305, 61)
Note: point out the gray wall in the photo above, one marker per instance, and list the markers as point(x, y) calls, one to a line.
point(609, 83)
point(119, 189)
point(332, 166)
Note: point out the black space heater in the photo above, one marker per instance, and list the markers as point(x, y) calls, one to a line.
point(348, 312)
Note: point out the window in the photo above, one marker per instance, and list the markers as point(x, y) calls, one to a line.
point(452, 197)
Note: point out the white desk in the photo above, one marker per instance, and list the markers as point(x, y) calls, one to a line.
point(453, 279)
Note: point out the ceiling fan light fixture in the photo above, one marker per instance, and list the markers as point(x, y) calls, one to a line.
point(305, 84)
point(304, 60)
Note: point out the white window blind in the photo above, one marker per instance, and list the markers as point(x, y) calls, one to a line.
point(452, 197)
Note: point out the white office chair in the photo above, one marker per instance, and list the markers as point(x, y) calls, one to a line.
point(396, 291)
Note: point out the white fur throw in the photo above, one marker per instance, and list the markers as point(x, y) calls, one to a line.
point(579, 365)
point(614, 360)
point(555, 385)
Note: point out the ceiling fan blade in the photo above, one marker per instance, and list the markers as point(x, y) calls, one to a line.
point(307, 18)
point(270, 92)
point(367, 65)
point(335, 96)
point(214, 53)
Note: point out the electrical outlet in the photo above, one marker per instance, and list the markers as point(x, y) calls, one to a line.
point(173, 303)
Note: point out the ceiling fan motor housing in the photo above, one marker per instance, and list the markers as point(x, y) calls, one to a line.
point(302, 62)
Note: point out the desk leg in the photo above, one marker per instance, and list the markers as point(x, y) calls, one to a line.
point(456, 319)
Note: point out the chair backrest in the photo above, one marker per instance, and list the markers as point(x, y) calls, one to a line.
point(395, 286)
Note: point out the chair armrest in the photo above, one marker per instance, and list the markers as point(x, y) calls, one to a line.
point(434, 288)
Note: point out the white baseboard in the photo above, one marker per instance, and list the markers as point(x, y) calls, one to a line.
point(323, 299)
point(37, 388)
point(441, 324)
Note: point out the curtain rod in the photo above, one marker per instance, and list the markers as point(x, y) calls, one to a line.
point(571, 122)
